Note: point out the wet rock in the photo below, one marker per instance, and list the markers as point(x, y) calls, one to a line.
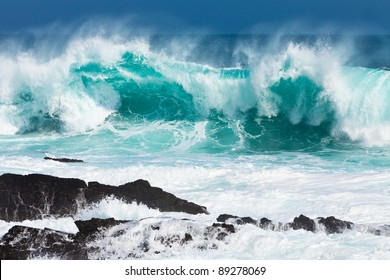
point(330, 224)
point(303, 222)
point(170, 240)
point(265, 223)
point(237, 220)
point(248, 220)
point(187, 238)
point(88, 229)
point(227, 227)
point(67, 160)
point(36, 196)
point(224, 217)
point(95, 224)
point(156, 198)
point(218, 231)
point(22, 243)
point(333, 225)
point(25, 242)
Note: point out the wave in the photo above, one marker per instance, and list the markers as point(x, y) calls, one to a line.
point(293, 98)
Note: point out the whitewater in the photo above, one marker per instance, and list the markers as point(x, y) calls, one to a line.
point(259, 126)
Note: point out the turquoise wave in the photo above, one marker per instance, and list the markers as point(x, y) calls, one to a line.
point(156, 102)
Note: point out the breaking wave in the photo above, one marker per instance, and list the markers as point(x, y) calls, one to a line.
point(297, 97)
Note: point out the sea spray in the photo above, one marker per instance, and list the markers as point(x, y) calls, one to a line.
point(245, 125)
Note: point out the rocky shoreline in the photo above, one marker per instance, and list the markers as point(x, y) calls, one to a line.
point(37, 196)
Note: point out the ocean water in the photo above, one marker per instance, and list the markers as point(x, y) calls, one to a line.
point(260, 126)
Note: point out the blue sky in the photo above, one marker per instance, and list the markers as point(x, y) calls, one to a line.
point(214, 16)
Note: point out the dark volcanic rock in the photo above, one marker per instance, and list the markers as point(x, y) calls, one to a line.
point(64, 159)
point(219, 231)
point(153, 197)
point(35, 196)
point(224, 217)
point(95, 224)
point(238, 220)
point(248, 220)
point(330, 224)
point(89, 229)
point(24, 242)
point(265, 223)
point(140, 191)
point(21, 242)
point(333, 225)
point(227, 227)
point(303, 222)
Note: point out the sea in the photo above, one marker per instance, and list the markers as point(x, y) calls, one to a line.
point(250, 125)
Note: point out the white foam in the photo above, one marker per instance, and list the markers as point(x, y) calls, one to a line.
point(49, 87)
point(253, 187)
point(61, 224)
point(117, 209)
point(244, 187)
point(363, 105)
point(357, 95)
point(139, 240)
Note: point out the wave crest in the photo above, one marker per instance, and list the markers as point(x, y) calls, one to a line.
point(293, 99)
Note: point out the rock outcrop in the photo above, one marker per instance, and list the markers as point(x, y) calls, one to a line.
point(25, 242)
point(67, 160)
point(110, 238)
point(330, 224)
point(36, 196)
point(21, 243)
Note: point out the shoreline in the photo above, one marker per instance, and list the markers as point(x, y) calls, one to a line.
point(63, 197)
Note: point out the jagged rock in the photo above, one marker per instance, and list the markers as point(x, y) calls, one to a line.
point(187, 238)
point(227, 227)
point(68, 160)
point(24, 242)
point(333, 225)
point(141, 192)
point(238, 220)
point(248, 220)
point(303, 222)
point(224, 217)
point(36, 196)
point(169, 240)
point(330, 224)
point(88, 229)
point(95, 224)
point(265, 223)
point(218, 231)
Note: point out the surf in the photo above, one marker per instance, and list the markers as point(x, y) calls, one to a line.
point(300, 96)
